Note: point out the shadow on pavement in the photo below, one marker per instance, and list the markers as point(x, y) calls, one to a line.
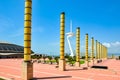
point(84, 68)
point(52, 77)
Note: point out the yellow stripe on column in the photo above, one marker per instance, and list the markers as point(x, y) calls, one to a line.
point(96, 50)
point(92, 48)
point(78, 45)
point(86, 53)
point(62, 26)
point(27, 30)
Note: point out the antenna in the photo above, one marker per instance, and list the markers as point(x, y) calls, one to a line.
point(70, 25)
point(70, 35)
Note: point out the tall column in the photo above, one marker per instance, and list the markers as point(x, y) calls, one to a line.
point(106, 53)
point(96, 49)
point(27, 66)
point(92, 50)
point(102, 51)
point(99, 50)
point(78, 47)
point(86, 50)
point(62, 27)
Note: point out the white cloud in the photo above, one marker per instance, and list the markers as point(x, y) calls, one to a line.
point(113, 47)
point(107, 44)
point(116, 44)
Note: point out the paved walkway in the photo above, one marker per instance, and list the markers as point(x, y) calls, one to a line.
point(11, 69)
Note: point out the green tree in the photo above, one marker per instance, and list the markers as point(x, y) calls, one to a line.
point(57, 59)
point(50, 59)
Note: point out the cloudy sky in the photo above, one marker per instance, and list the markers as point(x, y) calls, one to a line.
point(99, 18)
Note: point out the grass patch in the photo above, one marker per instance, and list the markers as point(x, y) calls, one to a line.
point(73, 62)
point(53, 61)
point(82, 62)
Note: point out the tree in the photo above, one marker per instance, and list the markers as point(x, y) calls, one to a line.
point(56, 59)
point(50, 59)
point(71, 60)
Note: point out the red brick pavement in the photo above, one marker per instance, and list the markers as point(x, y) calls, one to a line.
point(11, 69)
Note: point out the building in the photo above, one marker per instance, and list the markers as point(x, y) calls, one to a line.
point(8, 50)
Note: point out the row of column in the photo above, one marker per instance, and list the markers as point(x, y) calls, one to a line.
point(101, 50)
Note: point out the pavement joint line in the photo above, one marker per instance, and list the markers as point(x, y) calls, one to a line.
point(82, 78)
point(100, 74)
point(10, 67)
point(10, 75)
point(91, 76)
point(79, 72)
point(64, 75)
point(74, 76)
point(113, 71)
point(35, 71)
point(50, 73)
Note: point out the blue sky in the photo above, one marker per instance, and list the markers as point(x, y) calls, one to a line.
point(99, 18)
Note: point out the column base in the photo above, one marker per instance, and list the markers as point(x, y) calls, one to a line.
point(27, 70)
point(95, 61)
point(92, 62)
point(62, 65)
point(77, 64)
point(87, 63)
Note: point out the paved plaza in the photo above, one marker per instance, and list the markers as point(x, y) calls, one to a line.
point(11, 69)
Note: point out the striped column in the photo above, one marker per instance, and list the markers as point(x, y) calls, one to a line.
point(62, 26)
point(99, 49)
point(86, 50)
point(27, 66)
point(104, 51)
point(62, 31)
point(96, 49)
point(27, 30)
point(78, 47)
point(92, 50)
